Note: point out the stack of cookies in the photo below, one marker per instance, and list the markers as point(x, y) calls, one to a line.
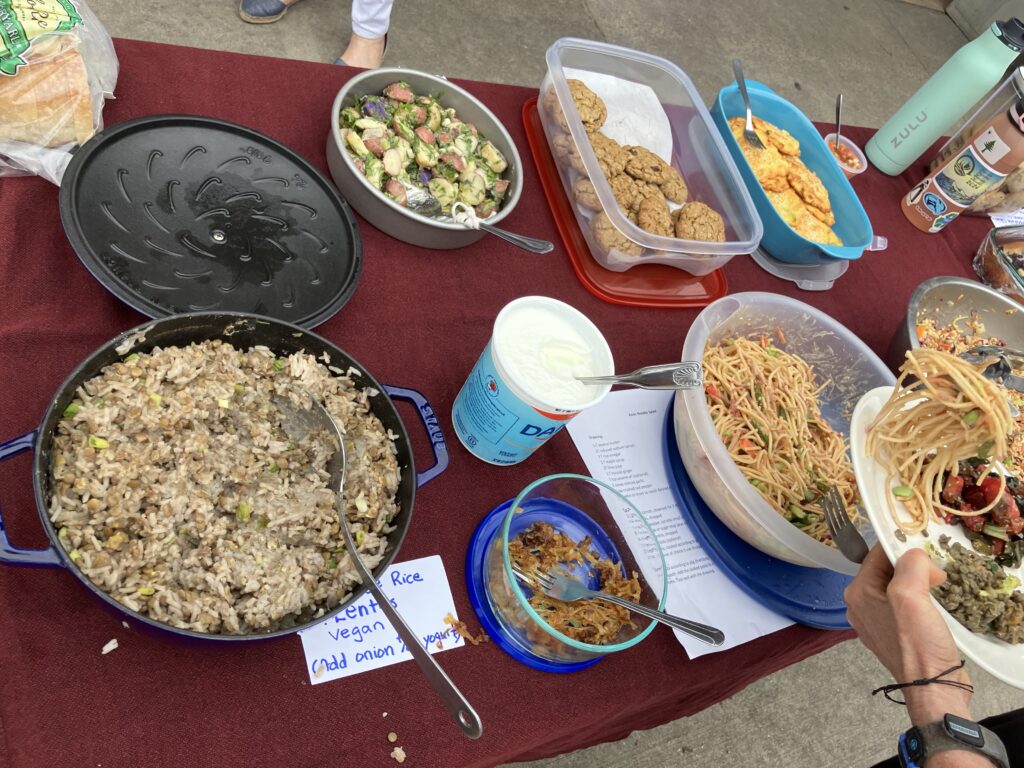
point(642, 182)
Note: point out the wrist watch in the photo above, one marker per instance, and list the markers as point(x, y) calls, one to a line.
point(951, 732)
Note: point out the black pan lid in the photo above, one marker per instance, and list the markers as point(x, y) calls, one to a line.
point(177, 213)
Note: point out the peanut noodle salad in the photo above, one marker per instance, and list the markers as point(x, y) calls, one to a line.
point(541, 548)
point(764, 404)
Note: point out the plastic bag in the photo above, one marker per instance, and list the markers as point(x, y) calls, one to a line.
point(57, 66)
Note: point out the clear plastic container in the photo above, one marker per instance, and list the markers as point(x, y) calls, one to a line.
point(836, 355)
point(830, 140)
point(1000, 261)
point(686, 136)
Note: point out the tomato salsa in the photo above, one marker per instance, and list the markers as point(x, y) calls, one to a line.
point(845, 155)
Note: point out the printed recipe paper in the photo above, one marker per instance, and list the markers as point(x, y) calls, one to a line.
point(620, 440)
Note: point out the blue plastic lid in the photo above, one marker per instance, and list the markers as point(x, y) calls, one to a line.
point(483, 539)
point(811, 596)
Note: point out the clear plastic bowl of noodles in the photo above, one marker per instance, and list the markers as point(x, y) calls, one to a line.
point(579, 507)
point(835, 354)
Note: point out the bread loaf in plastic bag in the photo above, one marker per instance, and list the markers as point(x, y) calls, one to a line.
point(57, 67)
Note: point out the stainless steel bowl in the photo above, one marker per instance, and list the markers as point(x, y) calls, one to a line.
point(945, 299)
point(376, 207)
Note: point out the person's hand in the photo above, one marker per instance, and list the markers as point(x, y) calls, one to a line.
point(896, 619)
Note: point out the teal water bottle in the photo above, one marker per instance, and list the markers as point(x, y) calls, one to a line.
point(959, 84)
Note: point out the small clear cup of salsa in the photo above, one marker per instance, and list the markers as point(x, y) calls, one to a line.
point(849, 156)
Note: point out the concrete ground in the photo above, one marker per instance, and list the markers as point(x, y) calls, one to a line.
point(814, 714)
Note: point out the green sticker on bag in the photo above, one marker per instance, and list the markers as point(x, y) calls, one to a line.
point(23, 22)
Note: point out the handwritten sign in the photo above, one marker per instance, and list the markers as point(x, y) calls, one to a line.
point(361, 638)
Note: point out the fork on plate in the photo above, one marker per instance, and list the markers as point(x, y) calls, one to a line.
point(563, 586)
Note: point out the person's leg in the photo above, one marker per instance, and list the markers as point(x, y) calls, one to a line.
point(263, 11)
point(370, 22)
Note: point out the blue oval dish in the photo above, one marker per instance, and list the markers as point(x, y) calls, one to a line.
point(852, 225)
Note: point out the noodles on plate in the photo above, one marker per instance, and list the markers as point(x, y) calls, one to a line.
point(764, 404)
point(942, 411)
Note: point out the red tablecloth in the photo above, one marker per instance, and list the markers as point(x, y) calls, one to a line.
point(419, 318)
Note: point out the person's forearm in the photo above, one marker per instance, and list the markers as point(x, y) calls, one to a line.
point(929, 704)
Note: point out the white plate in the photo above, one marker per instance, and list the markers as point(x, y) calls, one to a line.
point(999, 659)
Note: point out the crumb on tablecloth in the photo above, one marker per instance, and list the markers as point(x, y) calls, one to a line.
point(111, 646)
point(392, 737)
point(463, 630)
point(398, 754)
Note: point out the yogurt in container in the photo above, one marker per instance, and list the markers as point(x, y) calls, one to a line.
point(523, 389)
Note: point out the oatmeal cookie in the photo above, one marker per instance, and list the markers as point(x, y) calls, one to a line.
point(585, 194)
point(644, 165)
point(654, 216)
point(674, 187)
point(646, 191)
point(566, 152)
point(549, 101)
point(610, 239)
point(625, 190)
point(592, 110)
point(697, 221)
point(610, 154)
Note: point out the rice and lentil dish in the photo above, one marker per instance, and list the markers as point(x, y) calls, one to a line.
point(176, 490)
point(980, 594)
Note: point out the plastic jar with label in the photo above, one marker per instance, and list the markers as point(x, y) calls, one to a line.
point(523, 388)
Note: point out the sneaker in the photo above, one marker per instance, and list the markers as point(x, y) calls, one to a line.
point(263, 11)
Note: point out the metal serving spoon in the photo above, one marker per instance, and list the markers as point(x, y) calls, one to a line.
point(298, 423)
point(672, 376)
point(1001, 371)
point(425, 204)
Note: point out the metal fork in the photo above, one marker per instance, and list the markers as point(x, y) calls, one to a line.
point(748, 132)
point(568, 588)
point(844, 532)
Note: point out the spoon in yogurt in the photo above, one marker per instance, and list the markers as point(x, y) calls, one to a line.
point(685, 375)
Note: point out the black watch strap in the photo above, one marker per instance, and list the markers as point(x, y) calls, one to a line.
point(951, 732)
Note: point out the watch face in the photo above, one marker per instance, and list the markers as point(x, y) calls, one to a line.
point(910, 748)
point(964, 731)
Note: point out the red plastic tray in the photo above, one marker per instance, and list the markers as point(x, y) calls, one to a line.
point(649, 285)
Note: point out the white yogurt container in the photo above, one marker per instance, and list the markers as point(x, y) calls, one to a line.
point(523, 389)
